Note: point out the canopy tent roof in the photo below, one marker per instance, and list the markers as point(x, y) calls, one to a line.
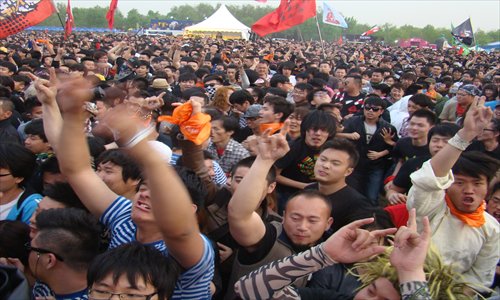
point(221, 21)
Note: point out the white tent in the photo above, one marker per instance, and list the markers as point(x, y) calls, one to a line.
point(222, 22)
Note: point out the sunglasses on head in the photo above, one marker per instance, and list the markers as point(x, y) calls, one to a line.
point(373, 108)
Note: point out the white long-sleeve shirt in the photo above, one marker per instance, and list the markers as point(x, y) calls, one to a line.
point(474, 251)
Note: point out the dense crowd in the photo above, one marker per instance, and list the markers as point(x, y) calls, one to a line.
point(178, 168)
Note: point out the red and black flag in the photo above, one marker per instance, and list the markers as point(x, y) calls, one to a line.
point(463, 33)
point(290, 13)
point(17, 15)
point(70, 21)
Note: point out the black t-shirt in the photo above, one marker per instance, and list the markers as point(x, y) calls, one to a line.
point(405, 150)
point(345, 203)
point(297, 164)
point(402, 179)
point(350, 104)
point(478, 146)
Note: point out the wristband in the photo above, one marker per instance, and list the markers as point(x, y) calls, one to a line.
point(140, 136)
point(459, 143)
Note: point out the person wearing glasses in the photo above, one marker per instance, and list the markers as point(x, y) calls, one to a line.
point(487, 140)
point(367, 133)
point(60, 253)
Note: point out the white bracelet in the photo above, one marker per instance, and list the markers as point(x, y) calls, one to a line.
point(141, 135)
point(459, 143)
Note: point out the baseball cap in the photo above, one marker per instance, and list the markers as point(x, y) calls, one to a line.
point(253, 111)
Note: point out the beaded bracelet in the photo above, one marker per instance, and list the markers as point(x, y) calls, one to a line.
point(458, 142)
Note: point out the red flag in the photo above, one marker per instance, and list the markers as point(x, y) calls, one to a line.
point(70, 22)
point(340, 41)
point(110, 16)
point(290, 13)
point(16, 16)
point(371, 31)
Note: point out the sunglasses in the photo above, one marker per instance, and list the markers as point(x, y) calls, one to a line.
point(29, 248)
point(373, 108)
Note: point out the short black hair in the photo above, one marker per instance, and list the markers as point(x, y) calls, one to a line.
point(71, 233)
point(278, 78)
point(35, 127)
point(422, 100)
point(19, 160)
point(343, 145)
point(276, 91)
point(240, 97)
point(375, 100)
point(187, 76)
point(130, 169)
point(248, 162)
point(136, 261)
point(445, 129)
point(317, 119)
point(63, 193)
point(310, 194)
point(476, 164)
point(280, 105)
point(229, 123)
point(429, 115)
point(13, 236)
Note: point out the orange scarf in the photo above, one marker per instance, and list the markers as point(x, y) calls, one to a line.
point(273, 126)
point(474, 219)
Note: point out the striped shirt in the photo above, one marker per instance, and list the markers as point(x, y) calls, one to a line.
point(193, 283)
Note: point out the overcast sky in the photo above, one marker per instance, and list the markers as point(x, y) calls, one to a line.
point(484, 14)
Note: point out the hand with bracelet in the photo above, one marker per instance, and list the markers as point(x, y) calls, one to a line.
point(126, 132)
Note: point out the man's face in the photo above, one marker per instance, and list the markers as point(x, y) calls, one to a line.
point(238, 176)
point(36, 112)
point(4, 71)
point(218, 134)
point(456, 75)
point(436, 70)
point(372, 112)
point(340, 73)
point(36, 144)
point(467, 193)
point(376, 77)
point(467, 77)
point(325, 68)
point(332, 166)
point(45, 203)
point(299, 96)
point(112, 176)
point(89, 65)
point(19, 86)
point(103, 288)
point(193, 65)
point(287, 72)
point(436, 143)
point(267, 114)
point(493, 207)
point(489, 133)
point(248, 62)
point(8, 181)
point(184, 85)
point(381, 288)
point(144, 57)
point(418, 127)
point(231, 74)
point(305, 220)
point(141, 208)
point(316, 137)
point(464, 98)
point(262, 69)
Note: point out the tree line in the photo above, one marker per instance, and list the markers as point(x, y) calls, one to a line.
point(248, 14)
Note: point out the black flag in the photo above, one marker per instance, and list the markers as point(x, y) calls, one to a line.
point(463, 33)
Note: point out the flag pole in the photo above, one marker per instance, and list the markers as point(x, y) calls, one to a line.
point(473, 34)
point(58, 15)
point(320, 37)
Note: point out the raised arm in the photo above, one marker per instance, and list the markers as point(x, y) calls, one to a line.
point(245, 225)
point(347, 245)
point(73, 152)
point(52, 119)
point(170, 200)
point(477, 118)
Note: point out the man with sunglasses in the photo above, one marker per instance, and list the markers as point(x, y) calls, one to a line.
point(60, 253)
point(366, 132)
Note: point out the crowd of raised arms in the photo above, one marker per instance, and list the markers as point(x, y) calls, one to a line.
point(145, 168)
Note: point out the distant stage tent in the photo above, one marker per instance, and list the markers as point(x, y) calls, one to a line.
point(414, 42)
point(222, 22)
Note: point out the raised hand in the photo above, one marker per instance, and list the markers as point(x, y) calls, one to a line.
point(46, 89)
point(410, 247)
point(387, 135)
point(352, 244)
point(73, 94)
point(270, 147)
point(477, 118)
